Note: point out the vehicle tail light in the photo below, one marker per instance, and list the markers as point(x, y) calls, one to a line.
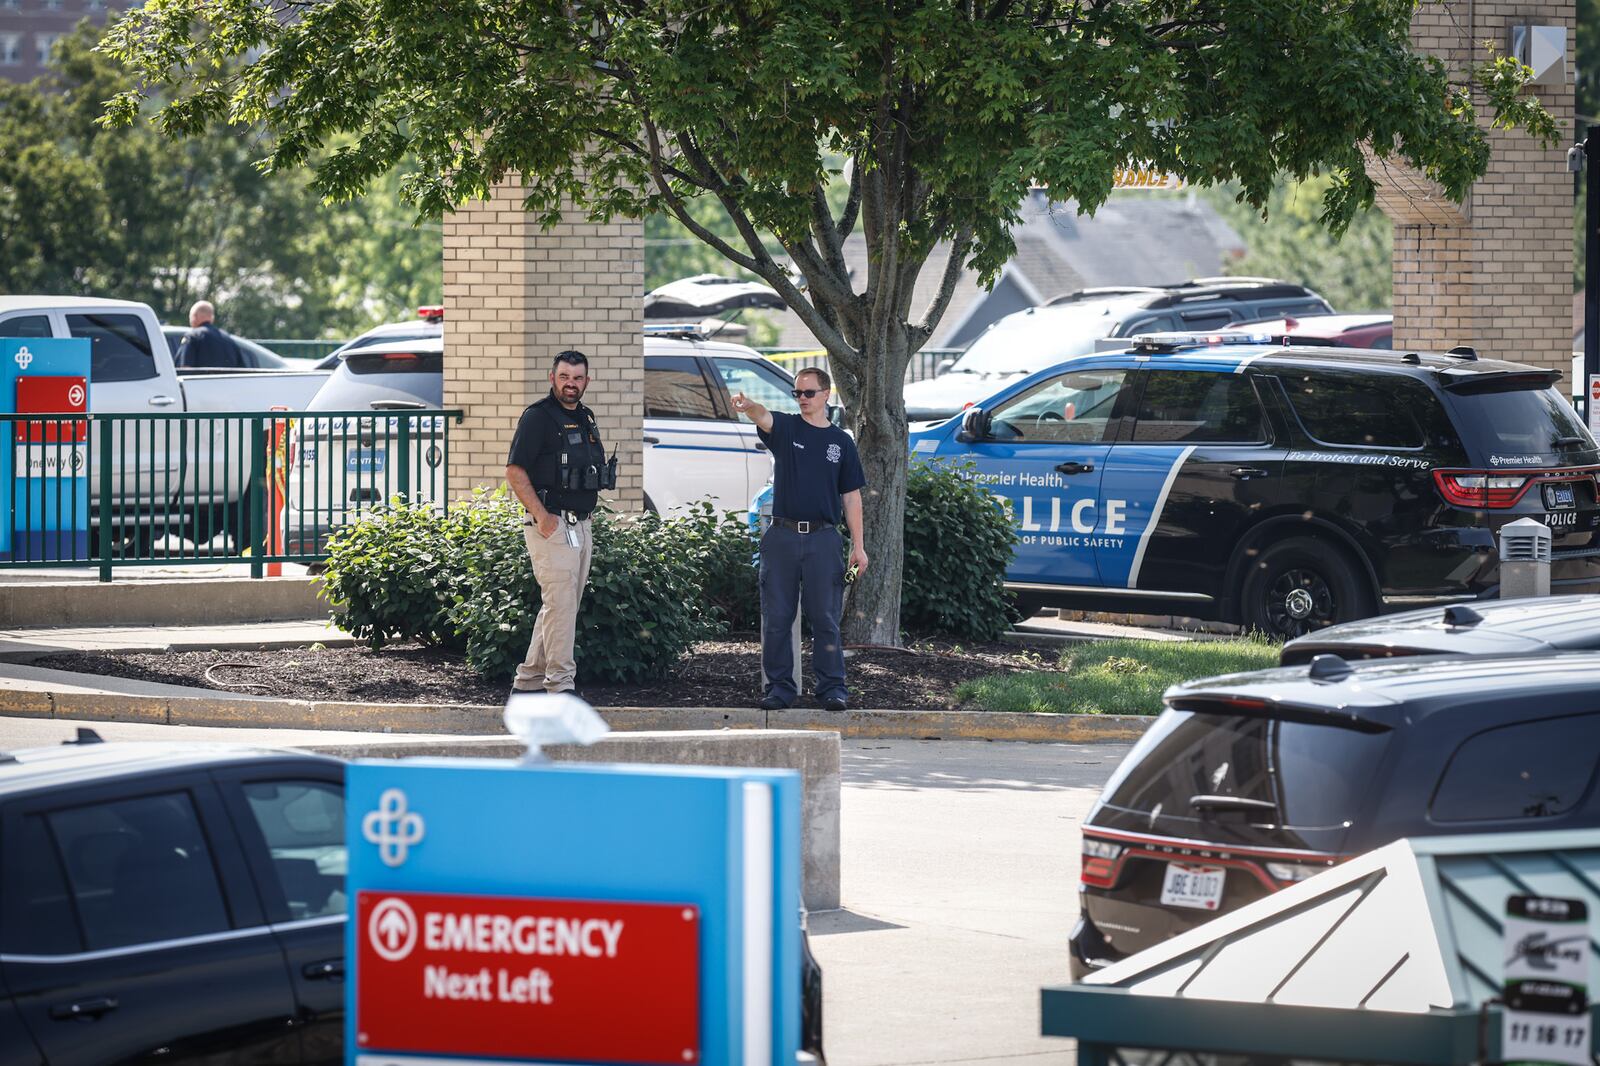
point(1288, 873)
point(1100, 862)
point(413, 356)
point(1480, 489)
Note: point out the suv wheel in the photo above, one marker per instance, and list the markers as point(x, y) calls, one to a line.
point(1299, 585)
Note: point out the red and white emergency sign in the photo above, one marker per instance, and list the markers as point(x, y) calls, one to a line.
point(52, 395)
point(574, 980)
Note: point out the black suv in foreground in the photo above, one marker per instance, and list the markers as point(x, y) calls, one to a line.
point(1249, 783)
point(184, 903)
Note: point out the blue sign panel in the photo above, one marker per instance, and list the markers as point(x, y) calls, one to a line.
point(571, 913)
point(44, 467)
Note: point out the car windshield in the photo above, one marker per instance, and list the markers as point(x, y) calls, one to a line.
point(1025, 343)
point(1288, 775)
point(1521, 422)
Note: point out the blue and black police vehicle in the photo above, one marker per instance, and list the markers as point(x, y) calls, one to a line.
point(1282, 488)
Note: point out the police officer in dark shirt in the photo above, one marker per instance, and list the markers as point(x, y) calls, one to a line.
point(557, 468)
point(816, 484)
point(205, 344)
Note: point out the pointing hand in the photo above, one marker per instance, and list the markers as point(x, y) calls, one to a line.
point(741, 402)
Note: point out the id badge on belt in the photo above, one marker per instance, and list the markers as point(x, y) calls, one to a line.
point(569, 522)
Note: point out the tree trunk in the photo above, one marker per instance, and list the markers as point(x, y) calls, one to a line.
point(877, 417)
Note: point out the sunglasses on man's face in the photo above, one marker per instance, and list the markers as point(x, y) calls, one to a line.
point(807, 393)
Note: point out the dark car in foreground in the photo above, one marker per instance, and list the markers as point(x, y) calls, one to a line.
point(1490, 627)
point(182, 903)
point(1251, 782)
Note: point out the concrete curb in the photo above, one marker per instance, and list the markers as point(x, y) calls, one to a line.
point(476, 720)
point(44, 650)
point(178, 602)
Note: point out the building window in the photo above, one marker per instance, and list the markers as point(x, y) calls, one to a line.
point(10, 49)
point(52, 5)
point(46, 42)
point(11, 5)
point(95, 6)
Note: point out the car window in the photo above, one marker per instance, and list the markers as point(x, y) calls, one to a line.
point(1315, 776)
point(1068, 408)
point(1206, 318)
point(36, 908)
point(758, 381)
point(303, 825)
point(26, 326)
point(675, 388)
point(1199, 408)
point(1528, 770)
point(139, 871)
point(1155, 324)
point(119, 350)
point(1520, 421)
point(1364, 412)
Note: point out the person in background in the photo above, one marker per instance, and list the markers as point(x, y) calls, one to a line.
point(205, 345)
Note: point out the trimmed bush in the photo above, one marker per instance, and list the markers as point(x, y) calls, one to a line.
point(958, 543)
point(396, 572)
point(641, 611)
point(465, 581)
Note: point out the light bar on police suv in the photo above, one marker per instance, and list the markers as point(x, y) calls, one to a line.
point(1176, 341)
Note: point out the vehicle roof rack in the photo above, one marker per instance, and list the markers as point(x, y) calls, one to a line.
point(1230, 279)
point(1096, 293)
point(85, 736)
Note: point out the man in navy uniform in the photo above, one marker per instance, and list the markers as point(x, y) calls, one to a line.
point(205, 344)
point(816, 484)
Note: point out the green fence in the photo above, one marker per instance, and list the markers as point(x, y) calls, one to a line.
point(164, 489)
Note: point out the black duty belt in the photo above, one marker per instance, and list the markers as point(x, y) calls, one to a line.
point(803, 526)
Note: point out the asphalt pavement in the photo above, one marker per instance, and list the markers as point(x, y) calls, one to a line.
point(960, 865)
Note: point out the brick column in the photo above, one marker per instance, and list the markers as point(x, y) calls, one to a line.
point(1495, 272)
point(514, 296)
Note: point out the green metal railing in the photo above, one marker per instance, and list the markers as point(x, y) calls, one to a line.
point(262, 488)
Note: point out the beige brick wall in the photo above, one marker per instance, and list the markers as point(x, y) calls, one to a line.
point(514, 296)
point(1497, 275)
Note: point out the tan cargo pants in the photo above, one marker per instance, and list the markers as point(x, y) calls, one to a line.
point(562, 572)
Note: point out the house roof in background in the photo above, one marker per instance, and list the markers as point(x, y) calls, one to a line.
point(1135, 238)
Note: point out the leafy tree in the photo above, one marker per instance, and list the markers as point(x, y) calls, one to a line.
point(126, 213)
point(1290, 242)
point(949, 110)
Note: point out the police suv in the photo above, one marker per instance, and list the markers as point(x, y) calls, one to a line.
point(1283, 488)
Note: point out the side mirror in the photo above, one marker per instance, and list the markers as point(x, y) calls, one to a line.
point(974, 425)
point(944, 364)
point(835, 414)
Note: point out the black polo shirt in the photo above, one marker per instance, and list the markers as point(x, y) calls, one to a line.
point(545, 429)
point(812, 467)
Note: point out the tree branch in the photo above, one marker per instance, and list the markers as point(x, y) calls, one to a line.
point(852, 203)
point(953, 268)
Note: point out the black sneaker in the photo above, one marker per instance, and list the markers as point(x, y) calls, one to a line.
point(833, 703)
point(772, 703)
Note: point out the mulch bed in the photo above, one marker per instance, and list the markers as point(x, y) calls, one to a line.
point(715, 674)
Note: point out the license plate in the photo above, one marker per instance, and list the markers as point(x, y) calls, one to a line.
point(365, 461)
point(1199, 887)
point(1559, 496)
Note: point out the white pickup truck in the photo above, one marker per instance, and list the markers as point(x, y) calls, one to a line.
point(185, 477)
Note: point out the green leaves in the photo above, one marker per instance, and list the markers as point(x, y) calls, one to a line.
point(958, 544)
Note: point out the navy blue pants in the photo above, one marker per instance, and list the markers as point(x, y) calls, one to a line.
point(802, 569)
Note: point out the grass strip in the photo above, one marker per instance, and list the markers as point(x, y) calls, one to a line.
point(1115, 676)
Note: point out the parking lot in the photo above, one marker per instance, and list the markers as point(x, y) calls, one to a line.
point(960, 863)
